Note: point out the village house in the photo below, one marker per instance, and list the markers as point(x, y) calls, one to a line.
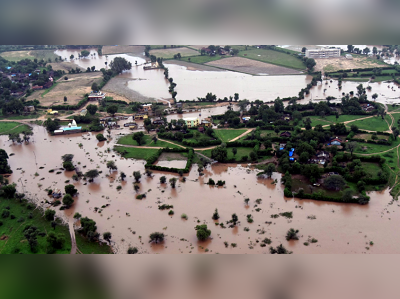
point(282, 146)
point(285, 134)
point(336, 141)
point(158, 121)
point(179, 105)
point(206, 123)
point(140, 116)
point(146, 108)
point(37, 87)
point(367, 107)
point(29, 108)
point(93, 96)
point(322, 157)
point(246, 119)
point(191, 122)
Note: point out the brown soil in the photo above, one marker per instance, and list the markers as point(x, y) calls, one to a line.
point(169, 53)
point(137, 50)
point(171, 156)
point(341, 63)
point(74, 89)
point(250, 66)
point(64, 66)
point(119, 87)
point(3, 237)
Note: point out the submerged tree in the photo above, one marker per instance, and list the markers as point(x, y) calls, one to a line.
point(92, 174)
point(292, 234)
point(111, 165)
point(234, 221)
point(156, 237)
point(215, 216)
point(202, 232)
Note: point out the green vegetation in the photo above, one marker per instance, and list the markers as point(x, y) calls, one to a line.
point(331, 119)
point(136, 153)
point(273, 57)
point(13, 127)
point(148, 141)
point(228, 134)
point(375, 123)
point(201, 59)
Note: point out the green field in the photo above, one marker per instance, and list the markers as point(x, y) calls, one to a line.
point(331, 119)
point(39, 54)
point(18, 117)
point(375, 148)
point(135, 153)
point(16, 242)
point(375, 123)
point(12, 127)
point(371, 168)
point(198, 103)
point(127, 140)
point(228, 134)
point(87, 247)
point(273, 57)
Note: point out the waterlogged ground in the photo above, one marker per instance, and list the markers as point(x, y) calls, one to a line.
point(338, 228)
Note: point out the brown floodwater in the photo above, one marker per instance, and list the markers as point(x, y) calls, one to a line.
point(339, 228)
point(173, 163)
point(194, 83)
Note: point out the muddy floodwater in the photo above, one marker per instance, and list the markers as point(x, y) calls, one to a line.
point(339, 228)
point(196, 83)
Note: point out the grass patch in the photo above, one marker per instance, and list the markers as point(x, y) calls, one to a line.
point(375, 148)
point(228, 134)
point(16, 242)
point(241, 151)
point(201, 59)
point(135, 153)
point(87, 247)
point(12, 127)
point(331, 119)
point(375, 123)
point(127, 140)
point(273, 57)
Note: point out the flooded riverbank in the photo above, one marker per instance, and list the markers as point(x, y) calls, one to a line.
point(338, 228)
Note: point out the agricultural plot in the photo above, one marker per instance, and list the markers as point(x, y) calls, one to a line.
point(12, 127)
point(169, 53)
point(226, 134)
point(375, 123)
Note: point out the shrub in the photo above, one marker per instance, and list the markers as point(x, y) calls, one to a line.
point(132, 250)
point(5, 213)
point(184, 216)
point(68, 200)
point(100, 137)
point(171, 212)
point(68, 166)
point(156, 237)
point(70, 189)
point(292, 234)
point(49, 214)
point(215, 216)
point(211, 182)
point(202, 232)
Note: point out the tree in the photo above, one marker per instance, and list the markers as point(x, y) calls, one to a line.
point(307, 122)
point(233, 221)
point(70, 189)
point(88, 225)
point(139, 138)
point(292, 234)
point(100, 137)
point(236, 97)
point(347, 195)
point(92, 174)
point(30, 233)
point(350, 48)
point(270, 169)
point(219, 153)
point(303, 50)
point(65, 99)
point(374, 50)
point(71, 57)
point(310, 63)
point(163, 179)
point(85, 53)
point(107, 237)
point(4, 167)
point(234, 151)
point(354, 128)
point(56, 241)
point(77, 215)
point(67, 157)
point(53, 224)
point(132, 250)
point(253, 156)
point(395, 133)
point(202, 232)
point(8, 191)
point(112, 109)
point(68, 166)
point(68, 200)
point(49, 214)
point(334, 182)
point(156, 237)
point(366, 51)
point(95, 87)
point(375, 96)
point(279, 250)
point(172, 182)
point(92, 109)
point(137, 176)
point(122, 175)
point(351, 146)
point(215, 216)
point(119, 64)
point(111, 165)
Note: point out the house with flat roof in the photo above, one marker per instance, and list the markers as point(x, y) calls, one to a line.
point(191, 121)
point(96, 96)
point(322, 53)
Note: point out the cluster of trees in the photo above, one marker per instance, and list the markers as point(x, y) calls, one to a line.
point(4, 167)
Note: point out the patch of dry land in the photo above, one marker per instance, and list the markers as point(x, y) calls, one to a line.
point(136, 50)
point(341, 63)
point(169, 53)
point(254, 67)
point(118, 87)
point(194, 66)
point(74, 88)
point(64, 66)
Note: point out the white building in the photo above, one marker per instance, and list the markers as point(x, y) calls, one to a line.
point(323, 53)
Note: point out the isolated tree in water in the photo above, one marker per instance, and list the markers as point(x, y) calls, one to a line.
point(92, 174)
point(270, 169)
point(292, 234)
point(137, 176)
point(120, 64)
point(107, 237)
point(111, 165)
point(202, 232)
point(156, 237)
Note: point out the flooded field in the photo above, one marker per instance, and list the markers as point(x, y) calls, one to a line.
point(338, 228)
point(193, 83)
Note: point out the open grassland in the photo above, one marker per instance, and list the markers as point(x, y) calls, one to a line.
point(19, 117)
point(20, 55)
point(87, 247)
point(370, 148)
point(241, 151)
point(12, 127)
point(74, 89)
point(169, 53)
point(127, 140)
point(331, 119)
point(12, 229)
point(135, 153)
point(250, 66)
point(375, 123)
point(274, 57)
point(228, 134)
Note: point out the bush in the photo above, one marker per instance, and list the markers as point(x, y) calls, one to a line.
point(49, 214)
point(202, 232)
point(68, 166)
point(292, 234)
point(5, 213)
point(132, 250)
point(100, 137)
point(68, 200)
